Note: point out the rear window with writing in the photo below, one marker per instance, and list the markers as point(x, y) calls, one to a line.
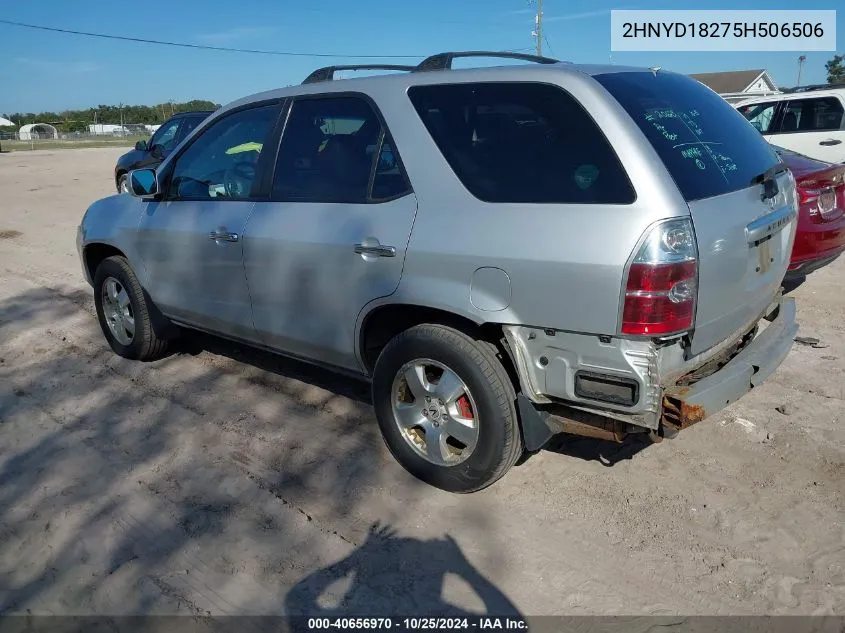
point(708, 147)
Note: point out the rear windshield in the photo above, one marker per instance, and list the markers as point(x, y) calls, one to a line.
point(707, 146)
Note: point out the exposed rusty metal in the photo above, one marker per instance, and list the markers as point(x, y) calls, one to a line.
point(585, 424)
point(678, 414)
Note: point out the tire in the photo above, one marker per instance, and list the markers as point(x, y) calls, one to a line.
point(487, 389)
point(149, 340)
point(122, 185)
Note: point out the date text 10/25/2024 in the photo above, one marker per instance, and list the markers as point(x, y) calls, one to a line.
point(480, 623)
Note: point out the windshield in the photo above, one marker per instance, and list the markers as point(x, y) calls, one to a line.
point(708, 147)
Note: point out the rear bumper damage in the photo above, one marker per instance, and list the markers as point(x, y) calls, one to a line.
point(687, 405)
point(671, 397)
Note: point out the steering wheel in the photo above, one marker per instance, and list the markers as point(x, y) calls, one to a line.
point(238, 179)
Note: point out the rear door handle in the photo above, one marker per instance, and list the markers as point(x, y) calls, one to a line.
point(378, 251)
point(222, 236)
point(830, 141)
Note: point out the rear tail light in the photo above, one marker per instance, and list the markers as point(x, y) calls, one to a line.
point(662, 282)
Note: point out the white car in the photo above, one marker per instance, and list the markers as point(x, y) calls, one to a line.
point(810, 121)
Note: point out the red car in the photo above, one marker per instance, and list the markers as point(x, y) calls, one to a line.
point(820, 237)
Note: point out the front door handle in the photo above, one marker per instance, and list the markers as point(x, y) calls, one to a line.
point(377, 251)
point(223, 236)
point(830, 141)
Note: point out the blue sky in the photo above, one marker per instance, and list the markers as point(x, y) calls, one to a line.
point(53, 71)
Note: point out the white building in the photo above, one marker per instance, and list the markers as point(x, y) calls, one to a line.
point(6, 123)
point(736, 85)
point(104, 128)
point(35, 131)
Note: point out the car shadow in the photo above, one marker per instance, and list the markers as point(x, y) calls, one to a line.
point(791, 285)
point(589, 449)
point(394, 576)
point(194, 343)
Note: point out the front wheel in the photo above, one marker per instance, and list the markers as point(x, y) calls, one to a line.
point(123, 184)
point(130, 321)
point(445, 406)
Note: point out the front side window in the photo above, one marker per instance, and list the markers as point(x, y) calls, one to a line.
point(329, 151)
point(522, 142)
point(222, 161)
point(760, 115)
point(812, 115)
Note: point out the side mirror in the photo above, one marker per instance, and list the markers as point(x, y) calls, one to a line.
point(143, 183)
point(141, 146)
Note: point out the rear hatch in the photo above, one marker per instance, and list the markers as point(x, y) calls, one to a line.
point(741, 198)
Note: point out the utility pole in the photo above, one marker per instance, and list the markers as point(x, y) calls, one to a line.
point(801, 60)
point(538, 27)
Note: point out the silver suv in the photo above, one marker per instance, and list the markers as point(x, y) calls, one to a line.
point(506, 252)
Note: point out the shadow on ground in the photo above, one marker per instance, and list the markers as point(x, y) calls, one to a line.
point(195, 343)
point(605, 452)
point(196, 485)
point(393, 576)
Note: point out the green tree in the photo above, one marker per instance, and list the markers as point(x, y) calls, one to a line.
point(835, 70)
point(72, 120)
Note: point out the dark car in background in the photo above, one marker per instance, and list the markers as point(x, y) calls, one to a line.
point(149, 155)
point(820, 237)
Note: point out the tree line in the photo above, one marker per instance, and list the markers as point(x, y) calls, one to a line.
point(79, 120)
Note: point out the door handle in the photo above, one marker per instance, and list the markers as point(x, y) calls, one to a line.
point(830, 141)
point(378, 251)
point(222, 236)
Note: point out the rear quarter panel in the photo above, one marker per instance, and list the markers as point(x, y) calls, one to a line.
point(565, 262)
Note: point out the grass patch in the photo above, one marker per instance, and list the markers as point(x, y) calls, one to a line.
point(71, 143)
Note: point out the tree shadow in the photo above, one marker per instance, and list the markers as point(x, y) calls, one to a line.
point(114, 473)
point(394, 576)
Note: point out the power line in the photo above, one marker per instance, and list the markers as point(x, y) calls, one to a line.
point(551, 50)
point(202, 46)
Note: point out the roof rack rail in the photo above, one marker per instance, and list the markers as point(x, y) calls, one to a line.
point(327, 73)
point(443, 61)
point(810, 88)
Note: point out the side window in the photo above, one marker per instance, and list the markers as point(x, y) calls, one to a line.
point(329, 150)
point(522, 142)
point(388, 181)
point(812, 115)
point(760, 115)
point(221, 162)
point(165, 136)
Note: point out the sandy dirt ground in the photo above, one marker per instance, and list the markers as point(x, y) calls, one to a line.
point(227, 481)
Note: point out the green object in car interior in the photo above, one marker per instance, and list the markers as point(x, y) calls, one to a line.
point(245, 147)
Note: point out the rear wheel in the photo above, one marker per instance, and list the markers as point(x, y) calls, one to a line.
point(130, 321)
point(445, 406)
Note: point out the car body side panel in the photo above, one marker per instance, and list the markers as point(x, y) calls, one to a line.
point(113, 221)
point(568, 273)
point(191, 277)
point(305, 279)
